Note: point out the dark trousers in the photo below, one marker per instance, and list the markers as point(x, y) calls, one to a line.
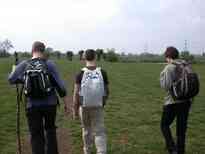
point(181, 112)
point(41, 122)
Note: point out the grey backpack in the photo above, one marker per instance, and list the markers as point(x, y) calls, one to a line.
point(92, 88)
point(187, 83)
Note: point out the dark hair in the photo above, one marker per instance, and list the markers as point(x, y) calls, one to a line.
point(90, 54)
point(38, 46)
point(171, 52)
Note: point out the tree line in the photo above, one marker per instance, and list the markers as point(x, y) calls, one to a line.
point(109, 55)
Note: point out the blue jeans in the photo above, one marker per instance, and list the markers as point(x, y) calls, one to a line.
point(41, 122)
point(181, 112)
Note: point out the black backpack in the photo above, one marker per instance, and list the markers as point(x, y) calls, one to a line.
point(37, 83)
point(186, 85)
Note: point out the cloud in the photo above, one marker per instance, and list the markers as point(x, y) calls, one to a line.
point(162, 23)
point(32, 13)
point(126, 25)
point(58, 18)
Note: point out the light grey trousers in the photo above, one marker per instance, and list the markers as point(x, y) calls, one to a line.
point(93, 129)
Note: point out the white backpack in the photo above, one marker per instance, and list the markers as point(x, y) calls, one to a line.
point(92, 88)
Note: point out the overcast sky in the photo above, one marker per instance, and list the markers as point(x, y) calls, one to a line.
point(126, 25)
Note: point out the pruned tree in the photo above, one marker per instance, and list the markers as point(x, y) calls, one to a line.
point(99, 53)
point(58, 54)
point(112, 56)
point(104, 56)
point(69, 55)
point(5, 46)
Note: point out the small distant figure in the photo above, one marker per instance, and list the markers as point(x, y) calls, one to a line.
point(81, 52)
point(16, 58)
point(90, 94)
point(41, 80)
point(181, 85)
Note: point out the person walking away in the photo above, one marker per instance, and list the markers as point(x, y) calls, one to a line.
point(90, 94)
point(181, 85)
point(40, 80)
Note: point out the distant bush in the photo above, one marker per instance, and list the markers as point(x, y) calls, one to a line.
point(111, 56)
point(150, 58)
point(69, 55)
point(4, 54)
point(25, 54)
point(187, 56)
point(99, 53)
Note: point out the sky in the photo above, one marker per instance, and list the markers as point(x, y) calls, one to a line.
point(130, 26)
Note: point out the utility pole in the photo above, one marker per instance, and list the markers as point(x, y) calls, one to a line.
point(185, 45)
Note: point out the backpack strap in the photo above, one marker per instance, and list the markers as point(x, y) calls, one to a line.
point(28, 62)
point(180, 62)
point(84, 69)
point(98, 68)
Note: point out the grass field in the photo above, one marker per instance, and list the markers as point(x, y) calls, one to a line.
point(132, 115)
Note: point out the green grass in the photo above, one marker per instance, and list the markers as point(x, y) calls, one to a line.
point(132, 114)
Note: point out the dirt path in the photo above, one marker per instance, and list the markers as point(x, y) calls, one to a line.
point(64, 143)
point(63, 136)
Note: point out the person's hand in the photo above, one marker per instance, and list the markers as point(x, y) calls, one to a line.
point(67, 106)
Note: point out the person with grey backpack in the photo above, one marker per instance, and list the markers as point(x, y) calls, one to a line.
point(90, 95)
point(181, 84)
